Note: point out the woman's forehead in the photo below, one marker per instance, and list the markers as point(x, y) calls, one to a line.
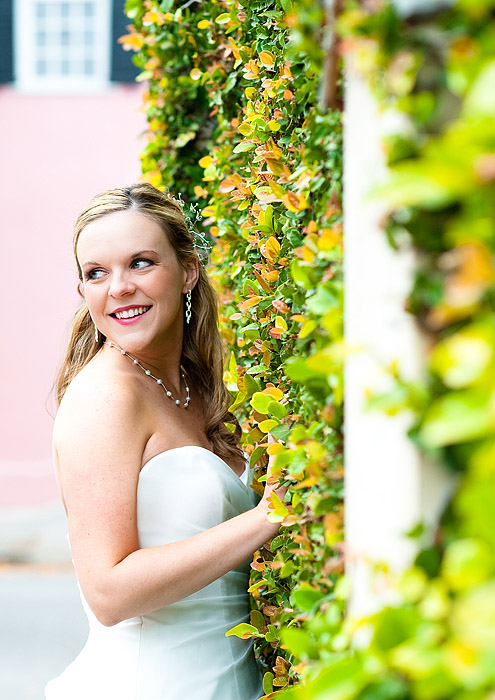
point(121, 232)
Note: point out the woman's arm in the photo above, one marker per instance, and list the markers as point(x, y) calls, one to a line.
point(99, 441)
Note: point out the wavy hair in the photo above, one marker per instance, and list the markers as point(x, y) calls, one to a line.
point(202, 348)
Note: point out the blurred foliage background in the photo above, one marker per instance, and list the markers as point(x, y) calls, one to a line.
point(436, 67)
point(244, 113)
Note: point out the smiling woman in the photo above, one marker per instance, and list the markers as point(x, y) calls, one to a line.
point(162, 521)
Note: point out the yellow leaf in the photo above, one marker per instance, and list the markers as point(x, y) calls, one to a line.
point(274, 448)
point(294, 202)
point(245, 129)
point(280, 510)
point(250, 92)
point(273, 125)
point(205, 161)
point(266, 425)
point(131, 41)
point(280, 323)
point(204, 24)
point(154, 17)
point(307, 328)
point(267, 58)
point(329, 239)
point(274, 391)
point(276, 189)
point(273, 246)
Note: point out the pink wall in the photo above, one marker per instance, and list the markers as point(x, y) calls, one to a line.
point(55, 154)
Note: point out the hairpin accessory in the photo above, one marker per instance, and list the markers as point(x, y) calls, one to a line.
point(202, 243)
point(96, 334)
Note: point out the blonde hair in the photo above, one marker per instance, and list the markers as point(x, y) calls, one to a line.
point(202, 349)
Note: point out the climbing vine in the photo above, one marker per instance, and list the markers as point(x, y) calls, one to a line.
point(240, 122)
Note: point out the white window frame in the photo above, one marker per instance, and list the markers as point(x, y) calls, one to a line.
point(26, 78)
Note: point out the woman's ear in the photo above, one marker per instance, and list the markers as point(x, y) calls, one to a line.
point(192, 276)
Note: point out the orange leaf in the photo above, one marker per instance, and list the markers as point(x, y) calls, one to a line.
point(280, 305)
point(262, 282)
point(227, 185)
point(249, 303)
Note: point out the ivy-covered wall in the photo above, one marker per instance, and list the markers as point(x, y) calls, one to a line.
point(244, 119)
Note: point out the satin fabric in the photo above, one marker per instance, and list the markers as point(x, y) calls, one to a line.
point(179, 652)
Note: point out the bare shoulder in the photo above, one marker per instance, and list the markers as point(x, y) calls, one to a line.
point(101, 409)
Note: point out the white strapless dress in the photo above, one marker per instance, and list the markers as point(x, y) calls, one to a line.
point(179, 652)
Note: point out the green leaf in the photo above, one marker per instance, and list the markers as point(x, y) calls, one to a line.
point(255, 456)
point(297, 641)
point(250, 385)
point(260, 402)
point(244, 146)
point(268, 682)
point(224, 18)
point(239, 401)
point(459, 417)
point(243, 631)
point(305, 598)
point(277, 409)
point(280, 432)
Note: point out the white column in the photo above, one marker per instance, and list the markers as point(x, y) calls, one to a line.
point(385, 479)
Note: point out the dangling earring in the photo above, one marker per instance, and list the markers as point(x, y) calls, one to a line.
point(96, 334)
point(188, 307)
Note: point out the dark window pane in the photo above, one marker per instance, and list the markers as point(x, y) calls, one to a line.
point(89, 9)
point(65, 67)
point(88, 67)
point(65, 37)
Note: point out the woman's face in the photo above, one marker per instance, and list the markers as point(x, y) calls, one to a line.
point(132, 281)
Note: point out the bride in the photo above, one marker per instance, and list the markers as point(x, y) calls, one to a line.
point(162, 521)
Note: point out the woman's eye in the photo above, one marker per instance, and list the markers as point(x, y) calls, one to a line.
point(94, 274)
point(141, 263)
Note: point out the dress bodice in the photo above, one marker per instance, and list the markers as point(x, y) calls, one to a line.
point(179, 651)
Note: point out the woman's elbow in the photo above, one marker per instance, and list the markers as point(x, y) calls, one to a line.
point(106, 607)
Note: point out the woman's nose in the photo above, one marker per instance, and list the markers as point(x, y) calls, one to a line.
point(120, 285)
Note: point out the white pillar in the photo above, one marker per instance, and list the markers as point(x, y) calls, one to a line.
point(385, 479)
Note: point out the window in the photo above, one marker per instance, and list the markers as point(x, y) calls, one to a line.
point(62, 46)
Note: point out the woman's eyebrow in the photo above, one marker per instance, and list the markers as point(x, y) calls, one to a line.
point(141, 252)
point(134, 255)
